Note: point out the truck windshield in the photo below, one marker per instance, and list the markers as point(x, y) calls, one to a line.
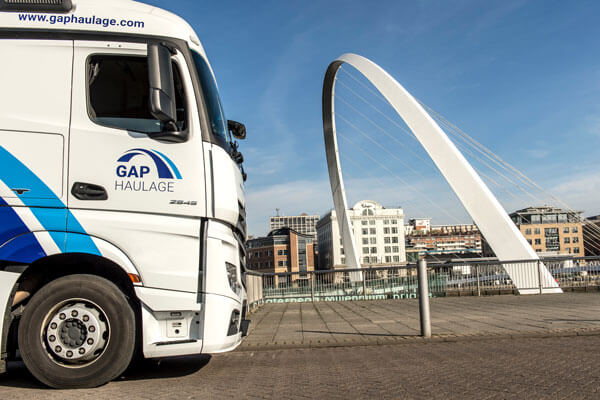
point(216, 117)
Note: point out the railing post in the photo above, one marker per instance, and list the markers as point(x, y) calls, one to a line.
point(312, 286)
point(539, 271)
point(364, 283)
point(478, 282)
point(424, 299)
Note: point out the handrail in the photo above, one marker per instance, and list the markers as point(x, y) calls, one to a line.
point(430, 266)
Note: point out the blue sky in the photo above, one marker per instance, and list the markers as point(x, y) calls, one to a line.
point(521, 77)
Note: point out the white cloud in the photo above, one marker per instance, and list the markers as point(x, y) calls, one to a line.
point(292, 198)
point(581, 192)
point(435, 199)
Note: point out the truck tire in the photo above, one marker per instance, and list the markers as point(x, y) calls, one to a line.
point(78, 331)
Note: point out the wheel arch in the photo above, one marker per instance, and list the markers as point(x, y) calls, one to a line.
point(111, 264)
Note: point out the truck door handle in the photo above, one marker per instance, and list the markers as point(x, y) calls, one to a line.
point(88, 191)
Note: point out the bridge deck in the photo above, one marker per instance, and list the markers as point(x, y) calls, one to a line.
point(326, 324)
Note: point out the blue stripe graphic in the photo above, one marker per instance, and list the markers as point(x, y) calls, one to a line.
point(163, 170)
point(22, 249)
point(127, 157)
point(171, 164)
point(25, 247)
point(10, 223)
point(56, 219)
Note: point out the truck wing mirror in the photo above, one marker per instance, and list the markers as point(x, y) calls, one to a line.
point(237, 129)
point(162, 89)
point(162, 93)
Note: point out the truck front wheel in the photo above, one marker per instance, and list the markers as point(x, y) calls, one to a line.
point(77, 331)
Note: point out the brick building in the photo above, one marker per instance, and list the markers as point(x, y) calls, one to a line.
point(550, 230)
point(282, 250)
point(441, 241)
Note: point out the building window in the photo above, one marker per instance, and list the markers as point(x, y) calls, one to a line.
point(574, 230)
point(365, 250)
point(388, 259)
point(528, 231)
point(396, 258)
point(394, 222)
point(575, 239)
point(388, 249)
point(394, 230)
point(343, 260)
point(395, 239)
point(342, 251)
point(365, 240)
point(366, 260)
point(566, 229)
point(373, 260)
point(536, 231)
point(386, 221)
point(365, 231)
point(364, 222)
point(373, 250)
point(538, 241)
point(529, 241)
point(387, 240)
point(372, 222)
point(373, 240)
point(282, 263)
point(386, 230)
point(567, 239)
point(576, 250)
point(395, 249)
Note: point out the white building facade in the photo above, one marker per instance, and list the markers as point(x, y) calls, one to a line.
point(378, 232)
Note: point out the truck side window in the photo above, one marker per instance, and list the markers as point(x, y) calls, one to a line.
point(119, 90)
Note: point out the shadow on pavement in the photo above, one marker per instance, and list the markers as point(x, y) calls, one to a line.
point(172, 367)
point(18, 376)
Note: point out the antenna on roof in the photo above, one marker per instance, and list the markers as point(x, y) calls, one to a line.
point(277, 210)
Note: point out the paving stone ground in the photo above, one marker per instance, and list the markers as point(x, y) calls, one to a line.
point(524, 368)
point(392, 321)
point(480, 352)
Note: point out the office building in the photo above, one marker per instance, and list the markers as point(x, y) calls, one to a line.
point(378, 234)
point(303, 223)
point(550, 230)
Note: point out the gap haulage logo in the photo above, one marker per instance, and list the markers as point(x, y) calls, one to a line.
point(141, 170)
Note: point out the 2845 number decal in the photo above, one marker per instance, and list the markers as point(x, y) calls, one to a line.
point(183, 202)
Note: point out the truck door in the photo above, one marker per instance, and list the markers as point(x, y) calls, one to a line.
point(35, 108)
point(142, 194)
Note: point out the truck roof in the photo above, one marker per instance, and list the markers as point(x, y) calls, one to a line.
point(111, 16)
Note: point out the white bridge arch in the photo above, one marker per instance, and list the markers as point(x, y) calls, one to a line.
point(491, 218)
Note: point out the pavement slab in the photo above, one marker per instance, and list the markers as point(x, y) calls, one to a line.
point(373, 322)
point(486, 368)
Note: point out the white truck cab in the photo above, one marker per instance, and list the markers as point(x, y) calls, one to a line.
point(122, 222)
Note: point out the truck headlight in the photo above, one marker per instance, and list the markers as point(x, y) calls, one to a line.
point(232, 277)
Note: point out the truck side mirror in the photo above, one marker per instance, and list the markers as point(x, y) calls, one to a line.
point(162, 89)
point(237, 129)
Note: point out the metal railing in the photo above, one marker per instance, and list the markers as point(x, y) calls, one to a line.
point(467, 278)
